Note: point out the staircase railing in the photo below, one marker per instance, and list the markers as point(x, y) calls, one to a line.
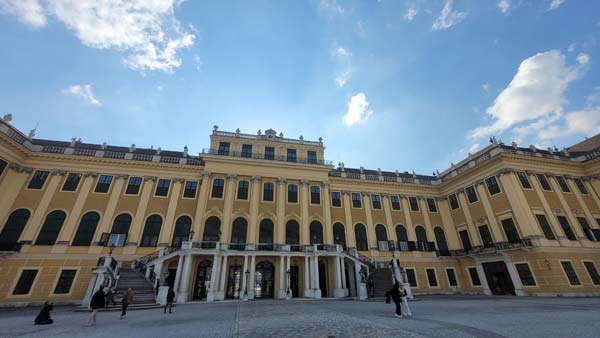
point(106, 273)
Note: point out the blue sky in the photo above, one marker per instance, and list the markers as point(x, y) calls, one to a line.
point(392, 84)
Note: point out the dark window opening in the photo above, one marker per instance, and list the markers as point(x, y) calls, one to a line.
point(25, 282)
point(543, 182)
point(65, 281)
point(431, 277)
point(316, 232)
point(190, 189)
point(151, 231)
point(546, 229)
point(72, 182)
point(246, 150)
point(51, 228)
point(395, 202)
point(453, 201)
point(38, 179)
point(103, 183)
point(411, 276)
point(581, 186)
point(183, 226)
point(376, 201)
point(431, 205)
point(474, 277)
point(269, 153)
point(336, 199)
point(451, 277)
point(525, 274)
point(133, 186)
point(524, 180)
point(570, 272)
point(292, 193)
point(162, 187)
point(564, 224)
point(223, 148)
point(291, 155)
point(465, 240)
point(563, 184)
point(360, 234)
point(242, 193)
point(217, 188)
point(471, 194)
point(486, 236)
point(593, 272)
point(268, 191)
point(315, 195)
point(492, 185)
point(512, 235)
point(356, 202)
point(311, 157)
point(87, 229)
point(414, 204)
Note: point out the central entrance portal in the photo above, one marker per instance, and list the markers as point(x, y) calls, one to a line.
point(263, 288)
point(295, 280)
point(234, 282)
point(202, 279)
point(323, 278)
point(498, 278)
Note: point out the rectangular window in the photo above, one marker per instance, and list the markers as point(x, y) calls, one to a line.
point(486, 236)
point(395, 202)
point(543, 182)
point(38, 179)
point(593, 272)
point(103, 183)
point(492, 185)
point(431, 205)
point(162, 187)
point(453, 201)
point(471, 194)
point(581, 186)
point(376, 201)
point(311, 157)
point(246, 150)
point(564, 224)
point(25, 282)
point(524, 180)
point(291, 155)
point(546, 229)
point(474, 277)
point(292, 193)
point(356, 201)
point(336, 199)
point(217, 188)
point(269, 153)
point(466, 241)
point(315, 195)
point(268, 191)
point(451, 277)
point(63, 286)
point(133, 186)
point(72, 182)
point(3, 165)
point(563, 184)
point(223, 148)
point(190, 189)
point(431, 277)
point(414, 204)
point(411, 276)
point(570, 272)
point(525, 274)
point(585, 226)
point(510, 230)
point(242, 193)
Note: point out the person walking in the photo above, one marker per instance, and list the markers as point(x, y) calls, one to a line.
point(110, 296)
point(43, 318)
point(170, 298)
point(96, 303)
point(371, 286)
point(395, 294)
point(404, 297)
point(127, 299)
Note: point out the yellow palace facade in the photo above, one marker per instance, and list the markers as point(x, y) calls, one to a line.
point(264, 216)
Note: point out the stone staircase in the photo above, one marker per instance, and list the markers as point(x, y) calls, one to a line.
point(383, 281)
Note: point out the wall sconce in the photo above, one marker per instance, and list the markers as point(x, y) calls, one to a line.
point(547, 262)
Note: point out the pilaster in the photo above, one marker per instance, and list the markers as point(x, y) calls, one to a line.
point(369, 216)
point(304, 226)
point(254, 201)
point(326, 201)
point(140, 214)
point(39, 214)
point(280, 211)
point(169, 225)
point(473, 233)
point(228, 208)
point(201, 205)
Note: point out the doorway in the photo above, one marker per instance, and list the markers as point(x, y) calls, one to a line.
point(234, 282)
point(263, 287)
point(202, 280)
point(323, 278)
point(498, 278)
point(295, 280)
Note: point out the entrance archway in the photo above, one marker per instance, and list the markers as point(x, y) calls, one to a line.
point(263, 287)
point(498, 278)
point(234, 282)
point(202, 279)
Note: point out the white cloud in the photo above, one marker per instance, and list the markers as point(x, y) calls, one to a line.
point(331, 6)
point(554, 4)
point(485, 87)
point(358, 110)
point(474, 148)
point(571, 47)
point(82, 91)
point(583, 58)
point(448, 17)
point(344, 66)
point(504, 6)
point(28, 12)
point(410, 14)
point(146, 31)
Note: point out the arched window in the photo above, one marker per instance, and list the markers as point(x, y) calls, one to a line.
point(292, 233)
point(151, 231)
point(339, 235)
point(212, 229)
point(121, 224)
point(422, 244)
point(51, 228)
point(87, 229)
point(440, 239)
point(9, 237)
point(381, 233)
point(238, 233)
point(316, 232)
point(183, 226)
point(402, 238)
point(265, 234)
point(360, 233)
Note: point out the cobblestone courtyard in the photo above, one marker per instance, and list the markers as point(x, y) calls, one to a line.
point(459, 316)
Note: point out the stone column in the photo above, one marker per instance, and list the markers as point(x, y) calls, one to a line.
point(326, 201)
point(182, 295)
point(228, 208)
point(280, 211)
point(337, 278)
point(140, 215)
point(316, 275)
point(252, 276)
point(304, 226)
point(281, 292)
point(211, 295)
point(514, 276)
point(245, 279)
point(254, 202)
point(224, 268)
point(370, 227)
point(343, 264)
point(178, 273)
point(308, 292)
point(13, 181)
point(489, 211)
point(473, 233)
point(169, 224)
point(39, 215)
point(201, 205)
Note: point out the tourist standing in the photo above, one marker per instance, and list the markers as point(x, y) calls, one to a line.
point(404, 297)
point(170, 298)
point(96, 303)
point(395, 294)
point(43, 318)
point(371, 288)
point(127, 299)
point(110, 296)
